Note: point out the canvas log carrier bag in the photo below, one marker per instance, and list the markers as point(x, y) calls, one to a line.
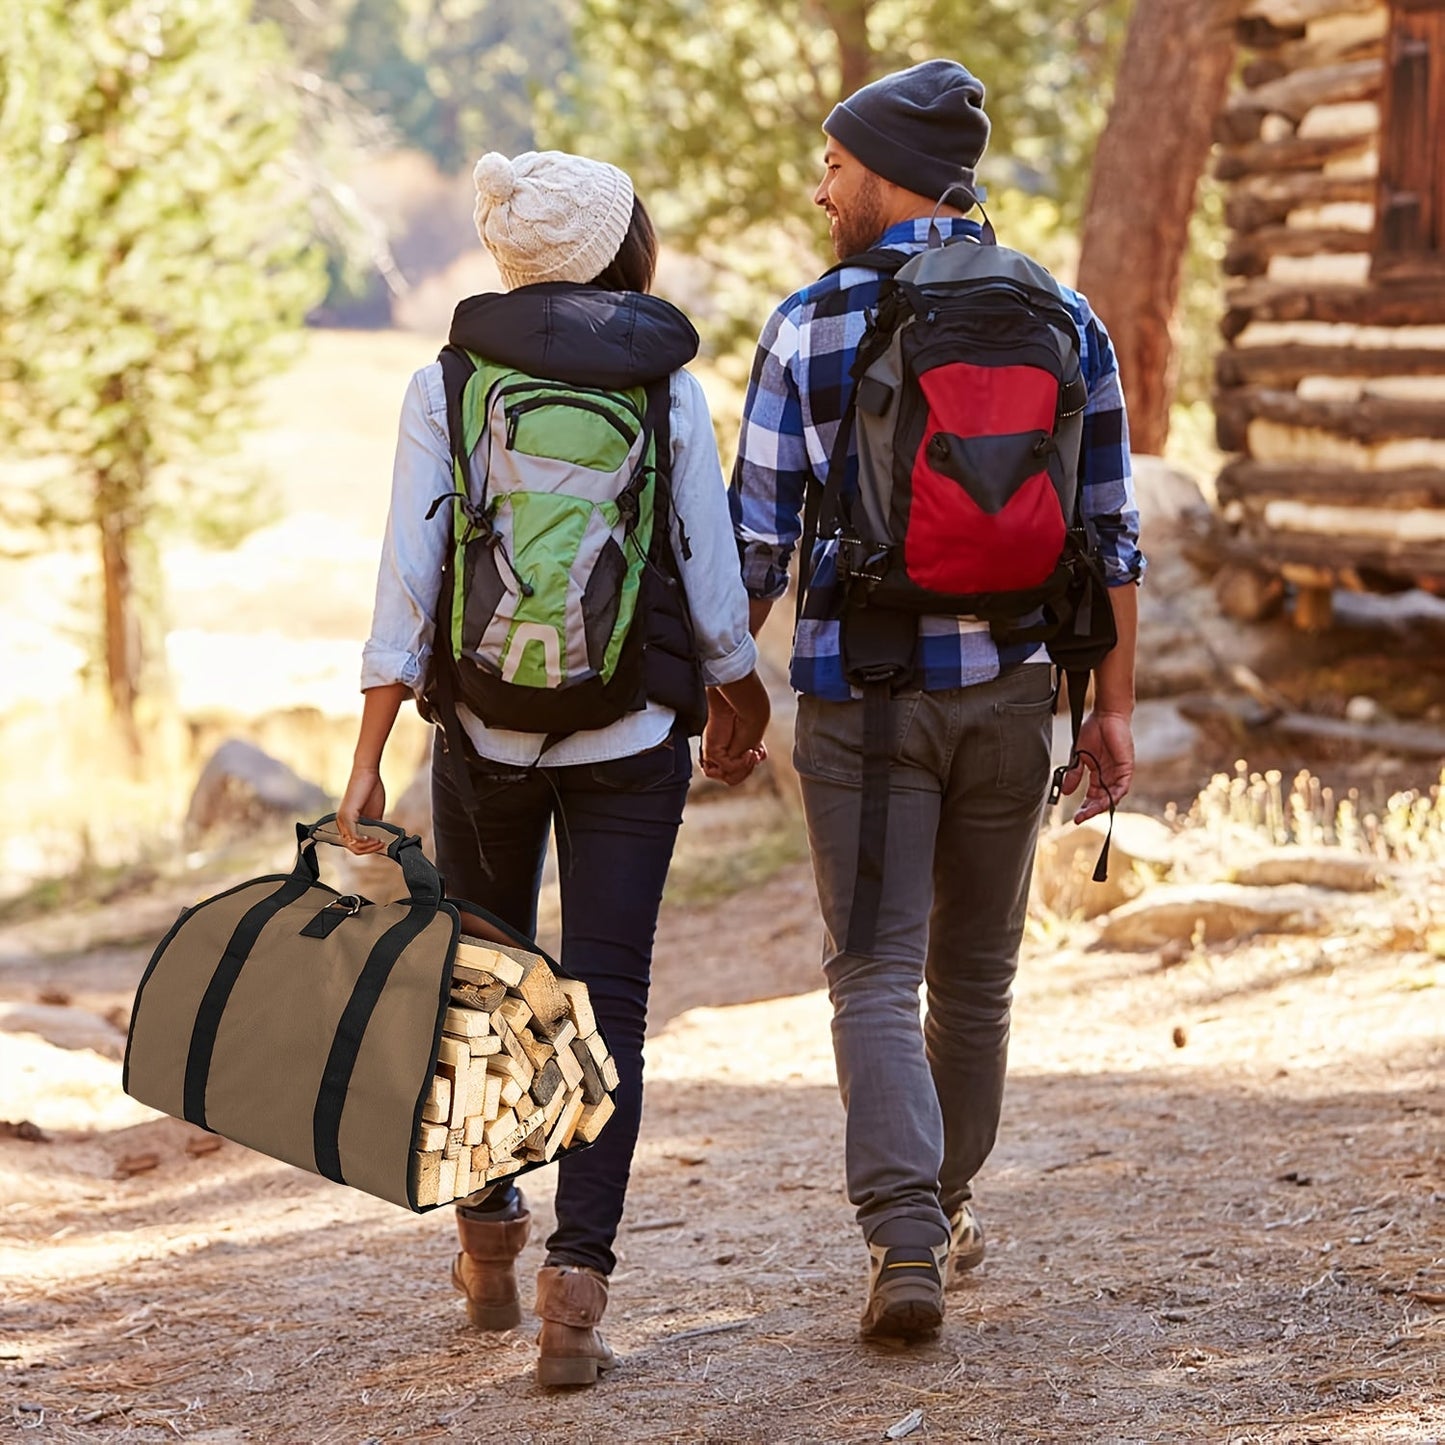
point(967, 413)
point(350, 1038)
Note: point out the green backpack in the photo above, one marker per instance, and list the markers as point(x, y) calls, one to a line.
point(557, 513)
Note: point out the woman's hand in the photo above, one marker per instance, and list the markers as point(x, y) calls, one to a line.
point(732, 743)
point(364, 798)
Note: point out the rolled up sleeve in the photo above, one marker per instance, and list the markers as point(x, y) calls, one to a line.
point(1106, 476)
point(771, 475)
point(707, 557)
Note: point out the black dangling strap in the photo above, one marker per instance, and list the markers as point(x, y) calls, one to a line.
point(1077, 682)
point(1101, 868)
point(872, 819)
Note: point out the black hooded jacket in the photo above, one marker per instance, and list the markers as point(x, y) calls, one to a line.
point(581, 335)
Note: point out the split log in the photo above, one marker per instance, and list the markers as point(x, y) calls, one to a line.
point(593, 1117)
point(438, 1101)
point(561, 1034)
point(517, 1013)
point(516, 1082)
point(578, 1006)
point(467, 1023)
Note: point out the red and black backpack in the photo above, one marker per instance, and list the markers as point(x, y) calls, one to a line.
point(967, 409)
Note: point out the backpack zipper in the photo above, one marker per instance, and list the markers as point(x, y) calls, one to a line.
point(517, 410)
point(620, 397)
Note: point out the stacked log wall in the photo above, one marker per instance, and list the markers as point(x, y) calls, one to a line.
point(1331, 384)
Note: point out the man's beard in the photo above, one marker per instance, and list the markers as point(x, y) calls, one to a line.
point(858, 230)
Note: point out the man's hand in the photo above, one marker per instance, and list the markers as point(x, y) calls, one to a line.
point(1106, 750)
point(364, 798)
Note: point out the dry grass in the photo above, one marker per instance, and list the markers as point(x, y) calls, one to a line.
point(1409, 827)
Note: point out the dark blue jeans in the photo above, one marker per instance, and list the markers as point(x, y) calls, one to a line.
point(617, 823)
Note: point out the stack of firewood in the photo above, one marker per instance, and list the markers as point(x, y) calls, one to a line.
point(521, 1074)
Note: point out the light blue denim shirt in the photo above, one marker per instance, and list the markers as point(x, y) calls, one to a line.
point(411, 563)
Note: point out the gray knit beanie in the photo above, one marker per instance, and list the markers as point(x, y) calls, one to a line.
point(923, 128)
point(550, 216)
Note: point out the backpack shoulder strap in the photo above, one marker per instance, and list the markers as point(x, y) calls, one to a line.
point(457, 370)
point(823, 504)
point(658, 419)
point(441, 691)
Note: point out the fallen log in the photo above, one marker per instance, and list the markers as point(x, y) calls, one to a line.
point(1415, 739)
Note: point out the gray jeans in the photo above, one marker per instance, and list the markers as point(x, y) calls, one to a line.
point(967, 787)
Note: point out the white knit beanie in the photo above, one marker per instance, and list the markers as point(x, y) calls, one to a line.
point(550, 216)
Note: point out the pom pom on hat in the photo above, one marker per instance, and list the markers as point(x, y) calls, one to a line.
point(495, 179)
point(551, 216)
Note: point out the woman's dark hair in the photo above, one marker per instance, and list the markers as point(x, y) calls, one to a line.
point(631, 269)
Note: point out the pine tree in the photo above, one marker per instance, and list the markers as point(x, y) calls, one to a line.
point(153, 256)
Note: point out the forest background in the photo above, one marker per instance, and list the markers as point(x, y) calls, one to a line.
point(232, 229)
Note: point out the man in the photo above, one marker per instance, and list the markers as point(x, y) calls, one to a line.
point(970, 737)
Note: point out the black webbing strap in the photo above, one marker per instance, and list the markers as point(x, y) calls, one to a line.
point(218, 991)
point(657, 418)
point(879, 644)
point(351, 1030)
point(823, 507)
point(872, 818)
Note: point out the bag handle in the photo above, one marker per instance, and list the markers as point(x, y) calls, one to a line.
point(423, 881)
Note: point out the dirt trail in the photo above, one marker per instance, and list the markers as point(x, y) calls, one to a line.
point(1214, 1214)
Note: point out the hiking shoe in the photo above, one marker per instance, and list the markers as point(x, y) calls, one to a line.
point(905, 1292)
point(966, 1244)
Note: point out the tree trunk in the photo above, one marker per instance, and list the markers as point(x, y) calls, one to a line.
point(122, 623)
point(848, 20)
point(1172, 82)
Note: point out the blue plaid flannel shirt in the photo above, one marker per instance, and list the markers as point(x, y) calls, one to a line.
point(796, 397)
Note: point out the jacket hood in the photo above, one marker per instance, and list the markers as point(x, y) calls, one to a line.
point(578, 335)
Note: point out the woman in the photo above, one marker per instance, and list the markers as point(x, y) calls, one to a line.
point(568, 235)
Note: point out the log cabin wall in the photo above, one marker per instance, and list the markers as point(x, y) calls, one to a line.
point(1331, 386)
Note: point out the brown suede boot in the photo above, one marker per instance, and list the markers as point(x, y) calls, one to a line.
point(570, 1302)
point(483, 1270)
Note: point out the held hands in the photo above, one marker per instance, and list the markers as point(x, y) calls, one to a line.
point(364, 798)
point(732, 742)
point(1106, 750)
